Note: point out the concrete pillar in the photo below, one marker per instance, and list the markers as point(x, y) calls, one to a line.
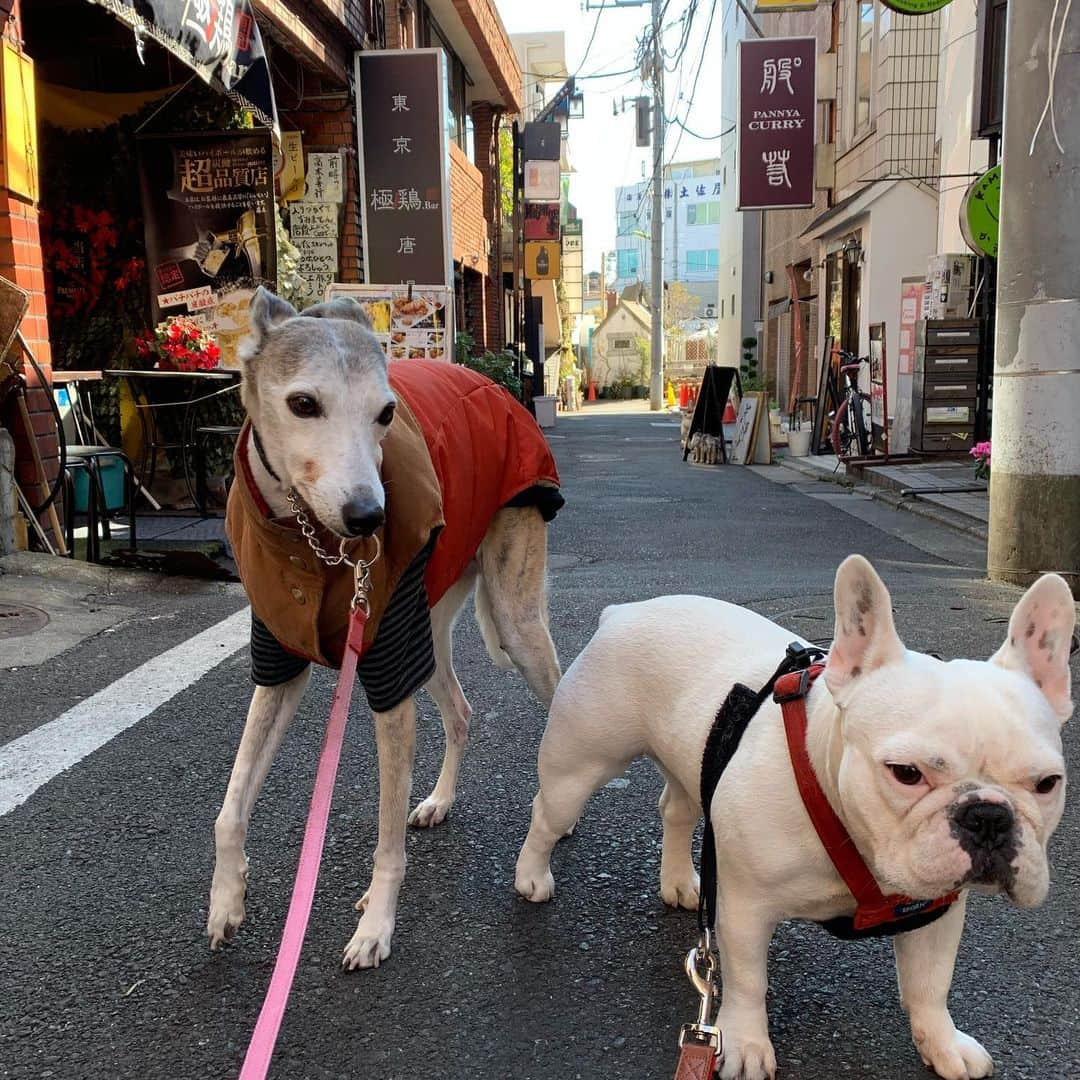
point(1035, 468)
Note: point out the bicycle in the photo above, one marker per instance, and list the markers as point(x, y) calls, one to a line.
point(849, 434)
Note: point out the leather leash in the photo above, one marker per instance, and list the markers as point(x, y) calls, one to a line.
point(264, 1038)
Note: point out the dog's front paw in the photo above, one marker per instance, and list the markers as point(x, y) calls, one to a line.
point(227, 895)
point(431, 812)
point(952, 1054)
point(748, 1051)
point(534, 883)
point(680, 890)
point(370, 945)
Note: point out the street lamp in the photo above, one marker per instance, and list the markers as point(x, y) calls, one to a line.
point(853, 251)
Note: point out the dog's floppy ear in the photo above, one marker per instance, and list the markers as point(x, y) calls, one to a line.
point(341, 307)
point(865, 636)
point(1040, 634)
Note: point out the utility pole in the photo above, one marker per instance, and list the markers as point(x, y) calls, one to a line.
point(1035, 474)
point(656, 380)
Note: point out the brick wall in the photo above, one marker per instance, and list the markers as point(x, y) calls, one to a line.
point(486, 148)
point(20, 262)
point(467, 225)
point(492, 42)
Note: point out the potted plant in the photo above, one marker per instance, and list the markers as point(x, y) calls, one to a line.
point(748, 369)
point(981, 453)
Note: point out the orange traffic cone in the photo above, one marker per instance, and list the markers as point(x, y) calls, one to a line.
point(684, 395)
point(729, 413)
point(592, 391)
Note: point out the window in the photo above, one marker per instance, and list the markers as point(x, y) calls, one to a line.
point(627, 263)
point(706, 213)
point(733, 305)
point(622, 344)
point(627, 222)
point(864, 38)
point(457, 110)
point(702, 261)
point(721, 309)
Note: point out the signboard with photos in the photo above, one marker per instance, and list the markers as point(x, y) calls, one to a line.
point(777, 113)
point(410, 322)
point(404, 165)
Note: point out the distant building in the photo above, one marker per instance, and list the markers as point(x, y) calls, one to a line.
point(620, 346)
point(692, 213)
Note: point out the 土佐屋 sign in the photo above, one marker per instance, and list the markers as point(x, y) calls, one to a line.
point(404, 166)
point(777, 99)
point(542, 260)
point(980, 213)
point(915, 7)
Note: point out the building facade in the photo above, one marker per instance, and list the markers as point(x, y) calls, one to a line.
point(692, 217)
point(93, 84)
point(899, 140)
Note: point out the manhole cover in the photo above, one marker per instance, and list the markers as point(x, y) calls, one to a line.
point(17, 620)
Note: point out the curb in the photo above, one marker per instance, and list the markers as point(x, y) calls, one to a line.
point(959, 523)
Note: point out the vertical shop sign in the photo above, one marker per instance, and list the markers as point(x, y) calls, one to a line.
point(777, 109)
point(208, 210)
point(404, 166)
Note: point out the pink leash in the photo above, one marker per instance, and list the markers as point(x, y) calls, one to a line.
point(263, 1039)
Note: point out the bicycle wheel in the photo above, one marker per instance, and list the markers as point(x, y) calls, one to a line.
point(840, 435)
point(862, 436)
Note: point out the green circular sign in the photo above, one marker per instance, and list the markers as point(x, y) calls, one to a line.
point(979, 213)
point(915, 7)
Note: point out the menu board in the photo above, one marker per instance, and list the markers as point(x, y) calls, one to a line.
point(410, 323)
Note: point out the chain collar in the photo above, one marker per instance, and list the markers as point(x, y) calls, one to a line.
point(361, 568)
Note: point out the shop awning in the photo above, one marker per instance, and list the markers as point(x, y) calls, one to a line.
point(218, 39)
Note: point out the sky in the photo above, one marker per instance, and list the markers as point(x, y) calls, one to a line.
point(601, 149)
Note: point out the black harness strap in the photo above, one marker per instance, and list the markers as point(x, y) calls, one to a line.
point(732, 720)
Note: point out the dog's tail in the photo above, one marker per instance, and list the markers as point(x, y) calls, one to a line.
point(486, 621)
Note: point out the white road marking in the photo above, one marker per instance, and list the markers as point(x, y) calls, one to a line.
point(35, 758)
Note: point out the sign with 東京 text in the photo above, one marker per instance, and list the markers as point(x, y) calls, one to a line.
point(777, 108)
point(404, 166)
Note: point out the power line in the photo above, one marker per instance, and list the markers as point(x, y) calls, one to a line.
point(697, 75)
point(704, 138)
point(592, 38)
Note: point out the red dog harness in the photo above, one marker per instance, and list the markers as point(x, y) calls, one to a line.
point(875, 913)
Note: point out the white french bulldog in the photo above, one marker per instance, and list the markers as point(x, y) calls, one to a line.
point(946, 776)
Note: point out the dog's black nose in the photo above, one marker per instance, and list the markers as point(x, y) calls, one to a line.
point(362, 517)
point(987, 823)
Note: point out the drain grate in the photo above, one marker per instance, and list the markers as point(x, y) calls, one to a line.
point(18, 620)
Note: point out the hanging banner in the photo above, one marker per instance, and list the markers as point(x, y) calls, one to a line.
point(777, 109)
point(218, 39)
point(404, 166)
point(208, 211)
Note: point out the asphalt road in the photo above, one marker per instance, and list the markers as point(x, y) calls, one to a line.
point(104, 871)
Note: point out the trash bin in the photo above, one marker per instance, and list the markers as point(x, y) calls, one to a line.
point(799, 442)
point(545, 410)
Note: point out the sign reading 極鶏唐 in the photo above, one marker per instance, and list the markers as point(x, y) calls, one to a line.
point(404, 166)
point(777, 99)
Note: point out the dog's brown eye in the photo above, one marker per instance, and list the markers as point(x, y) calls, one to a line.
point(1047, 784)
point(303, 405)
point(907, 775)
point(386, 415)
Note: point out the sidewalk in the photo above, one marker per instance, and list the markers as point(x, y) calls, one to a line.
point(944, 491)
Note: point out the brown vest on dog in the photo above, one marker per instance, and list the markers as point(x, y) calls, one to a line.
point(305, 603)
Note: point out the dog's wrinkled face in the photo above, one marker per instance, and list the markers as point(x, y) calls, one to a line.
point(950, 774)
point(316, 389)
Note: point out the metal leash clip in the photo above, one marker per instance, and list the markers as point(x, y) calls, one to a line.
point(701, 1043)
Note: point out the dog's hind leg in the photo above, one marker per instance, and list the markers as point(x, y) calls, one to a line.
point(395, 740)
point(445, 690)
point(513, 564)
point(679, 813)
point(272, 710)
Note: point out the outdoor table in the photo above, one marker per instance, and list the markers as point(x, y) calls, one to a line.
point(188, 383)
